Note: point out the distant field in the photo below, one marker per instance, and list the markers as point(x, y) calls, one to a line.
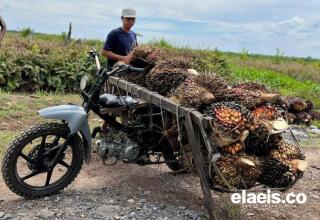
point(45, 62)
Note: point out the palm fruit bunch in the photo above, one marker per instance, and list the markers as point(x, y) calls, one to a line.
point(281, 173)
point(265, 135)
point(283, 165)
point(266, 112)
point(315, 115)
point(190, 94)
point(248, 98)
point(174, 62)
point(261, 144)
point(149, 53)
point(297, 110)
point(239, 171)
point(229, 122)
point(285, 151)
point(145, 57)
point(234, 148)
point(211, 81)
point(137, 78)
point(290, 117)
point(142, 51)
point(165, 80)
point(299, 105)
point(228, 115)
point(261, 139)
point(252, 86)
point(303, 118)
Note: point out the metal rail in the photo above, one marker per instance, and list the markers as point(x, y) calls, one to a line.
point(191, 116)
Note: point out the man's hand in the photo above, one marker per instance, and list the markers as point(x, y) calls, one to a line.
point(127, 59)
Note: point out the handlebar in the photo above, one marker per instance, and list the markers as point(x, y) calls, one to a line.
point(133, 69)
point(94, 55)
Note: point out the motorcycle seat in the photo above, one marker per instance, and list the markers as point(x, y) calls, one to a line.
point(112, 101)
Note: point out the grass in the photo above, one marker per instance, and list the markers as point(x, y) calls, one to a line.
point(25, 106)
point(316, 123)
point(19, 112)
point(302, 68)
point(6, 137)
point(281, 82)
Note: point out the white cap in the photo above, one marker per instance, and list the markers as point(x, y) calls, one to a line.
point(128, 12)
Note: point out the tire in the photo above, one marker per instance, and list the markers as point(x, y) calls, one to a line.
point(176, 165)
point(15, 151)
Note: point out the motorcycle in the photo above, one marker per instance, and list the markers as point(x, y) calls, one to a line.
point(47, 157)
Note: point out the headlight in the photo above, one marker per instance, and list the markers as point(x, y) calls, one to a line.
point(83, 82)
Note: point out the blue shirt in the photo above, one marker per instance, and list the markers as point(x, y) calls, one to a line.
point(120, 42)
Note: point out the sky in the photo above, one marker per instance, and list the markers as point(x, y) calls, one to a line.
point(257, 26)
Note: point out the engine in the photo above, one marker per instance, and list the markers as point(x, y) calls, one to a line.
point(115, 144)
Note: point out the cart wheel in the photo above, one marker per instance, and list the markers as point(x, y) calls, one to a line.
point(176, 165)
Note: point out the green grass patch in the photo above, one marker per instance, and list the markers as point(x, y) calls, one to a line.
point(6, 137)
point(19, 112)
point(283, 83)
point(316, 123)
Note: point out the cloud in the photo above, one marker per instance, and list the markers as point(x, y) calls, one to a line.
point(259, 26)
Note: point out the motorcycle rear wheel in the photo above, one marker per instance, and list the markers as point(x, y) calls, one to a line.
point(25, 164)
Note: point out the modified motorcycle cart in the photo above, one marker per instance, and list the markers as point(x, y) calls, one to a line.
point(135, 130)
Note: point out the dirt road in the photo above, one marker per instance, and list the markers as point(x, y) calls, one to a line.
point(153, 192)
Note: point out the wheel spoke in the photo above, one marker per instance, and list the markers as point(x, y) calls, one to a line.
point(49, 174)
point(27, 158)
point(45, 154)
point(33, 173)
point(64, 164)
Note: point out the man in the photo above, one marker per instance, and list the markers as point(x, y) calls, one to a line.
point(3, 28)
point(121, 41)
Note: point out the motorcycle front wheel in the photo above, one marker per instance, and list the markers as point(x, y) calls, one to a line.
point(25, 164)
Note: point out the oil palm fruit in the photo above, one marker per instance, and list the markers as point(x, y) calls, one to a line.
point(210, 81)
point(229, 123)
point(285, 151)
point(315, 115)
point(137, 78)
point(142, 51)
point(290, 117)
point(148, 53)
point(239, 172)
point(303, 118)
point(260, 144)
point(252, 86)
point(156, 54)
point(250, 99)
point(234, 148)
point(191, 95)
point(266, 112)
point(281, 173)
point(299, 105)
point(228, 115)
point(174, 62)
point(165, 80)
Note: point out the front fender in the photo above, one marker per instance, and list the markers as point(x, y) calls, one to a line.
point(77, 119)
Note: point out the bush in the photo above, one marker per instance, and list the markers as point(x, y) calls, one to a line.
point(35, 64)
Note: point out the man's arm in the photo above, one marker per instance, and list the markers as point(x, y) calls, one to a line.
point(3, 28)
point(113, 56)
